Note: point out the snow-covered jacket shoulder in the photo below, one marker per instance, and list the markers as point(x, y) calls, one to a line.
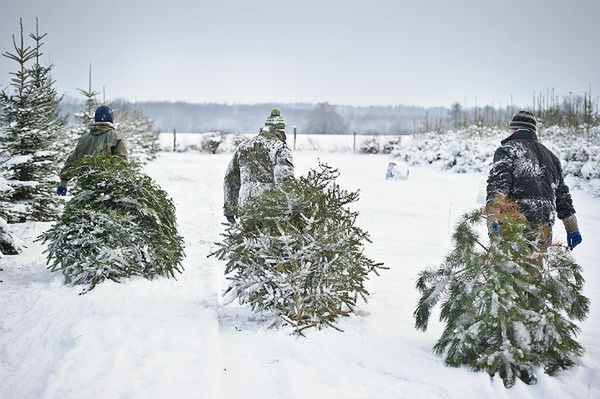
point(525, 171)
point(258, 164)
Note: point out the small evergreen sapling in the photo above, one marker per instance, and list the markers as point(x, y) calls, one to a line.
point(8, 244)
point(296, 255)
point(507, 307)
point(211, 142)
point(142, 139)
point(119, 224)
point(85, 117)
point(370, 145)
point(31, 128)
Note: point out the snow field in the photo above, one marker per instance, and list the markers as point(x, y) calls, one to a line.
point(174, 338)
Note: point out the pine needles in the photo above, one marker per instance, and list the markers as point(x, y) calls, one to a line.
point(119, 224)
point(296, 256)
point(507, 308)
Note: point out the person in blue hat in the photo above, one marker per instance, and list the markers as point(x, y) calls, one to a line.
point(102, 139)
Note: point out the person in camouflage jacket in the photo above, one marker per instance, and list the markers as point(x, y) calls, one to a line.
point(258, 164)
point(102, 139)
point(528, 173)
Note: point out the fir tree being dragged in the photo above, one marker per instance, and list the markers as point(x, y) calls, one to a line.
point(119, 224)
point(507, 307)
point(296, 255)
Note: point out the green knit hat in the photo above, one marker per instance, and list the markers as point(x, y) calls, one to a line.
point(275, 120)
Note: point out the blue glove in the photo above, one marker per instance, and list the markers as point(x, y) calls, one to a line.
point(61, 190)
point(495, 227)
point(231, 219)
point(574, 239)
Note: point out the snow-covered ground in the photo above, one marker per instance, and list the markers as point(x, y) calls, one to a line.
point(174, 339)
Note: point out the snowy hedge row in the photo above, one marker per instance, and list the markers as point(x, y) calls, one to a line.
point(579, 152)
point(209, 142)
point(472, 150)
point(462, 151)
point(304, 142)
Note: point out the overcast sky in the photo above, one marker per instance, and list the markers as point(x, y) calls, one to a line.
point(344, 51)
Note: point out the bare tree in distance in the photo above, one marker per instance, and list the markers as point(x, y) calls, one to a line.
point(324, 119)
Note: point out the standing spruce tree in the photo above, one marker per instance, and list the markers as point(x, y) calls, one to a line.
point(296, 255)
point(507, 307)
point(84, 118)
point(142, 139)
point(49, 121)
point(119, 224)
point(32, 129)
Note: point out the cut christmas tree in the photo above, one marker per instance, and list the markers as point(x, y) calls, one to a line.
point(296, 255)
point(119, 224)
point(507, 307)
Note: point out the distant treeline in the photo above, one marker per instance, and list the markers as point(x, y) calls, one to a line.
point(323, 118)
point(248, 118)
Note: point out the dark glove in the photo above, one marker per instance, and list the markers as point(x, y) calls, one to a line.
point(231, 219)
point(574, 239)
point(494, 227)
point(61, 190)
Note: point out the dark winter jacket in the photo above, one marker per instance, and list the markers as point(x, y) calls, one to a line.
point(258, 164)
point(530, 174)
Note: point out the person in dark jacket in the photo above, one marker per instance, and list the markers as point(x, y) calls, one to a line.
point(525, 171)
point(102, 139)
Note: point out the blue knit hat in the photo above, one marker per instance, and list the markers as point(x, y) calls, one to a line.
point(103, 114)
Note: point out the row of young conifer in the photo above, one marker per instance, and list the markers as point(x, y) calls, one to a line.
point(35, 138)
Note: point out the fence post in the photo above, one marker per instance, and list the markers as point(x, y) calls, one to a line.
point(354, 142)
point(174, 140)
point(294, 138)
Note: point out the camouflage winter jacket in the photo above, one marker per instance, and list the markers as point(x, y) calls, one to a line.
point(101, 139)
point(531, 175)
point(258, 164)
